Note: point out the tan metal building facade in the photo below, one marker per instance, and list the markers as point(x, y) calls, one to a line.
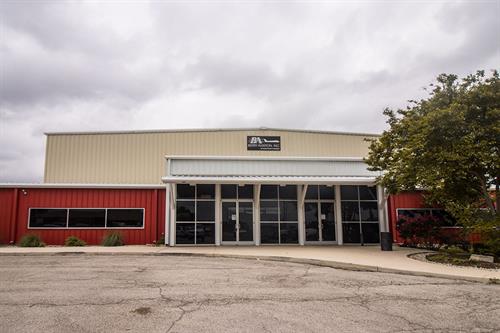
point(138, 157)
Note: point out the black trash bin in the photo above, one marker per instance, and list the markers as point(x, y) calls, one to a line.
point(386, 241)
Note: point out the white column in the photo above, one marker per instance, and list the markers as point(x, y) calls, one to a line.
point(338, 215)
point(218, 222)
point(382, 209)
point(171, 231)
point(256, 214)
point(167, 213)
point(301, 195)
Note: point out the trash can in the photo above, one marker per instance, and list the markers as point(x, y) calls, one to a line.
point(386, 241)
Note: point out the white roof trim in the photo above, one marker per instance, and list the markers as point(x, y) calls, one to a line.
point(79, 185)
point(269, 180)
point(242, 129)
point(264, 158)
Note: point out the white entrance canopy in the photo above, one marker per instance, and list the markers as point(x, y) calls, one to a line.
point(259, 170)
point(267, 170)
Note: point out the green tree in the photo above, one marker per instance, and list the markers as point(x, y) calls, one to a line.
point(447, 144)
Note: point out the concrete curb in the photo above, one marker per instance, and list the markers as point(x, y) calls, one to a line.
point(315, 262)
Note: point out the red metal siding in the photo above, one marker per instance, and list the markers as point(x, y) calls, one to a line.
point(149, 199)
point(7, 206)
point(416, 200)
point(402, 200)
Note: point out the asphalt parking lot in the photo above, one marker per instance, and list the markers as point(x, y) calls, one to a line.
point(92, 293)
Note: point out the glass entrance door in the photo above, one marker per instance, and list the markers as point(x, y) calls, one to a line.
point(319, 221)
point(237, 222)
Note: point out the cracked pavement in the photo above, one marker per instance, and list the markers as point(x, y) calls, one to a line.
point(88, 293)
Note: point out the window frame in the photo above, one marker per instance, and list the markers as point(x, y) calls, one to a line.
point(67, 227)
point(195, 200)
point(279, 221)
point(360, 221)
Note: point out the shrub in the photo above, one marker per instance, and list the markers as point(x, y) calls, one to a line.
point(421, 230)
point(74, 241)
point(113, 239)
point(31, 240)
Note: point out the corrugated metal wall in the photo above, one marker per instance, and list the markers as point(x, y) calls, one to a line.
point(138, 158)
point(7, 196)
point(402, 200)
point(152, 200)
point(234, 167)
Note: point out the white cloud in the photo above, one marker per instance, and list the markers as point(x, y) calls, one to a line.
point(333, 66)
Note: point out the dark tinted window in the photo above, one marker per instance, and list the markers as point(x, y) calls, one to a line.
point(269, 210)
point(350, 211)
point(205, 191)
point(351, 232)
point(184, 233)
point(205, 211)
point(185, 211)
point(445, 217)
point(185, 191)
point(367, 193)
point(245, 192)
point(205, 233)
point(289, 233)
point(312, 192)
point(348, 192)
point(288, 210)
point(370, 232)
point(326, 192)
point(228, 191)
point(288, 192)
point(269, 233)
point(87, 218)
point(269, 192)
point(125, 218)
point(369, 211)
point(48, 218)
point(411, 213)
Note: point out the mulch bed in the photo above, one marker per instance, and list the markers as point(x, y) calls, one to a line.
point(460, 260)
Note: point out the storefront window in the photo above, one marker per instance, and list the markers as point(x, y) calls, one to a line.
point(278, 214)
point(359, 208)
point(195, 214)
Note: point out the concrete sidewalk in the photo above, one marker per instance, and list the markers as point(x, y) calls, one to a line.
point(365, 258)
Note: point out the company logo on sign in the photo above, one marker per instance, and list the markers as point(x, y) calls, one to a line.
point(263, 143)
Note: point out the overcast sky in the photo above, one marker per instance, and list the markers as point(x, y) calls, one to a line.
point(77, 66)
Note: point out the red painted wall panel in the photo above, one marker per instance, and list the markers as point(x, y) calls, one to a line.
point(149, 199)
point(402, 200)
point(7, 206)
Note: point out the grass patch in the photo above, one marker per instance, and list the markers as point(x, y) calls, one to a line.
point(460, 260)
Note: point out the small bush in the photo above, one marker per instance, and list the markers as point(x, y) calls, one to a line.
point(421, 230)
point(161, 241)
point(74, 241)
point(31, 240)
point(113, 239)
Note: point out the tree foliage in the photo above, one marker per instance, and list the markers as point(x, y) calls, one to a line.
point(447, 144)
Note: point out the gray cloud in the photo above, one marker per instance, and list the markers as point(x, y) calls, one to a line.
point(333, 66)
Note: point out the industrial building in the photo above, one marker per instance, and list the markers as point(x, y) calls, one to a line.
point(254, 186)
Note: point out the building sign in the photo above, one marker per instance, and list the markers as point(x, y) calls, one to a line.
point(264, 143)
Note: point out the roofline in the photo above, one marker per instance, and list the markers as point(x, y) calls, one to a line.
point(80, 185)
point(190, 130)
point(295, 180)
point(264, 158)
